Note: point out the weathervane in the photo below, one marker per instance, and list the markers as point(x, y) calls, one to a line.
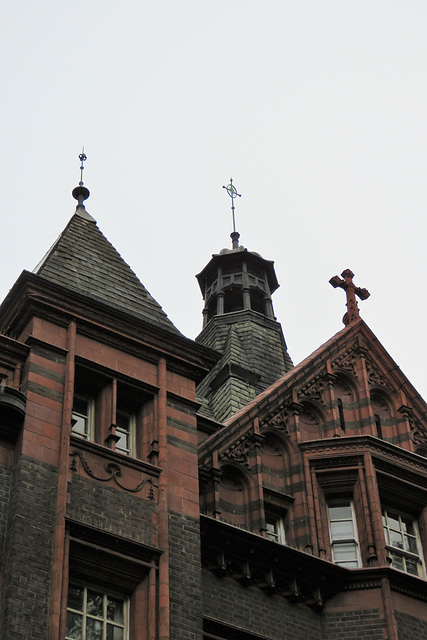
point(232, 192)
point(82, 158)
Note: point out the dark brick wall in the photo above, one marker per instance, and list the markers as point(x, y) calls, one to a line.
point(185, 578)
point(353, 625)
point(5, 473)
point(28, 551)
point(250, 609)
point(104, 507)
point(410, 628)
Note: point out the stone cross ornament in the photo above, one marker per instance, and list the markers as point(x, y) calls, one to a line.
point(351, 292)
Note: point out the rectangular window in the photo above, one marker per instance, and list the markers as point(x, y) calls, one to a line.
point(93, 614)
point(275, 528)
point(125, 429)
point(82, 417)
point(403, 542)
point(343, 534)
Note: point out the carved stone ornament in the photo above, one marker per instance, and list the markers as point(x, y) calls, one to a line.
point(314, 390)
point(278, 421)
point(374, 375)
point(114, 472)
point(347, 362)
point(419, 435)
point(238, 451)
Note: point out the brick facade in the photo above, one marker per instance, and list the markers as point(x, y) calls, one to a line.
point(117, 476)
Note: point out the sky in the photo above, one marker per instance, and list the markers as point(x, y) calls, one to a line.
point(317, 110)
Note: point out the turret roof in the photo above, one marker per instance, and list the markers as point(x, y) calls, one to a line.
point(84, 261)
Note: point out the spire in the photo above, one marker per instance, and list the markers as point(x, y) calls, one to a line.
point(81, 193)
point(232, 192)
point(351, 292)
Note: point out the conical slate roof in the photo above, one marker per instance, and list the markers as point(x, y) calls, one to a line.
point(84, 261)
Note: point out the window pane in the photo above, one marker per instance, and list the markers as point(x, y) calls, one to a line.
point(411, 544)
point(80, 424)
point(396, 540)
point(353, 564)
point(123, 443)
point(397, 561)
point(412, 566)
point(74, 626)
point(345, 552)
point(408, 525)
point(75, 597)
point(393, 520)
point(94, 603)
point(342, 530)
point(342, 512)
point(115, 610)
point(114, 633)
point(93, 629)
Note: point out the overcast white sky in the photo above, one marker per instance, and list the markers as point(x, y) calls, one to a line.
point(317, 109)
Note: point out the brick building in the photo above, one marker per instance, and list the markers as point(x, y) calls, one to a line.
point(155, 487)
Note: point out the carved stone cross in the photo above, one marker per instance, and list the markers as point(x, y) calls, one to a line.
point(351, 292)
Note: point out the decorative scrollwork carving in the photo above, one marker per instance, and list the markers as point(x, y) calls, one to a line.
point(238, 451)
point(346, 361)
point(278, 421)
point(114, 472)
point(374, 375)
point(314, 390)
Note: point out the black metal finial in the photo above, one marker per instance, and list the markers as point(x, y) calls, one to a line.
point(232, 192)
point(81, 193)
point(82, 158)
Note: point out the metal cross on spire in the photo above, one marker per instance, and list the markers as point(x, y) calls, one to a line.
point(232, 192)
point(82, 158)
point(351, 292)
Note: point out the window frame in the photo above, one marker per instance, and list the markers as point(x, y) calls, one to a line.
point(89, 418)
point(276, 522)
point(404, 554)
point(340, 542)
point(104, 618)
point(130, 432)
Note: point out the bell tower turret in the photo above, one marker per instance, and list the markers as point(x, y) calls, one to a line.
point(238, 321)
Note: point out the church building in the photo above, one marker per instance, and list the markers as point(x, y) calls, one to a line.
point(155, 487)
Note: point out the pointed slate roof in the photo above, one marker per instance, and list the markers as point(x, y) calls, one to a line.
point(84, 261)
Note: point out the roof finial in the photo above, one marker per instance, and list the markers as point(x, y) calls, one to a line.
point(81, 193)
point(82, 158)
point(351, 291)
point(232, 192)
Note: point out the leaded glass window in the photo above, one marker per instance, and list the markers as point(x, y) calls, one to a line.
point(93, 614)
